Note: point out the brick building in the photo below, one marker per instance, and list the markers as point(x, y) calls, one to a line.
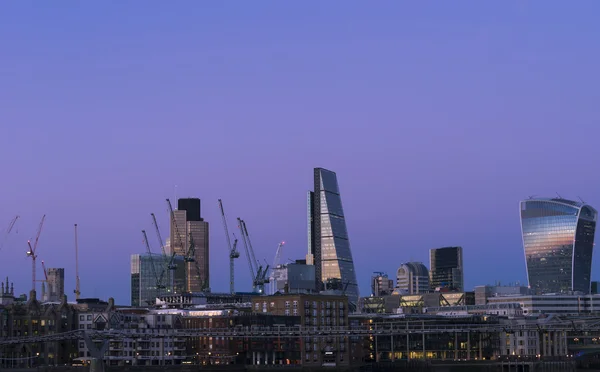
point(313, 310)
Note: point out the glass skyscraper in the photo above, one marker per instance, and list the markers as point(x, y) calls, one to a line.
point(558, 239)
point(145, 269)
point(328, 244)
point(446, 268)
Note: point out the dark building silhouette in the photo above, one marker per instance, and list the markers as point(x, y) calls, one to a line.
point(446, 268)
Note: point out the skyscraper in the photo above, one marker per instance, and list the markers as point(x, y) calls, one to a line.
point(189, 232)
point(558, 239)
point(412, 278)
point(144, 272)
point(328, 244)
point(446, 268)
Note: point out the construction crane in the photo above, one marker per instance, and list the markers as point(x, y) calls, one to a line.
point(233, 253)
point(159, 284)
point(45, 281)
point(32, 252)
point(11, 225)
point(77, 290)
point(187, 256)
point(276, 261)
point(257, 271)
point(168, 260)
point(192, 252)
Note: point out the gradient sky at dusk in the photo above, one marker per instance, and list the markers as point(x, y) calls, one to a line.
point(437, 117)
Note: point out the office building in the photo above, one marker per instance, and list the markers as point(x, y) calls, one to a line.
point(189, 239)
point(558, 239)
point(381, 285)
point(446, 268)
point(484, 292)
point(295, 277)
point(328, 243)
point(412, 278)
point(54, 288)
point(151, 279)
point(313, 310)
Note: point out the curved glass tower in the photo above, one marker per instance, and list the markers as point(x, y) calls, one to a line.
point(558, 238)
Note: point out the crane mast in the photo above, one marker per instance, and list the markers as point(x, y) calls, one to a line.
point(77, 290)
point(256, 270)
point(32, 252)
point(250, 264)
point(233, 253)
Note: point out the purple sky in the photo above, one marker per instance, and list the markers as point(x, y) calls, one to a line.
point(437, 119)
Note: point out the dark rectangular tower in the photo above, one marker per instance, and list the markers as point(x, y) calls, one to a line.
point(190, 231)
point(446, 268)
point(192, 208)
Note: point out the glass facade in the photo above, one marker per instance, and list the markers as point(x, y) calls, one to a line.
point(186, 224)
point(446, 268)
point(143, 278)
point(558, 239)
point(328, 237)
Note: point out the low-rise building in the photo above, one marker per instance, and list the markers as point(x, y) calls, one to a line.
point(315, 310)
point(33, 318)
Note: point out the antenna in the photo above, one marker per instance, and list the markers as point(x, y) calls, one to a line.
point(531, 197)
point(175, 193)
point(560, 197)
point(583, 201)
point(77, 290)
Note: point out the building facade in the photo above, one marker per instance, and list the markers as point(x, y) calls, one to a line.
point(54, 287)
point(558, 239)
point(446, 268)
point(315, 311)
point(146, 273)
point(381, 285)
point(412, 278)
point(293, 278)
point(189, 239)
point(328, 243)
point(24, 319)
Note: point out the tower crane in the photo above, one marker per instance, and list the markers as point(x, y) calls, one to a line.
point(167, 259)
point(45, 282)
point(275, 265)
point(77, 290)
point(186, 254)
point(159, 284)
point(192, 251)
point(11, 225)
point(257, 271)
point(233, 253)
point(32, 252)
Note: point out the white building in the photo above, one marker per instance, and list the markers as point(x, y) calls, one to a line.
point(412, 278)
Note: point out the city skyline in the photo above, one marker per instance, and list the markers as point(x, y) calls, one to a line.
point(437, 118)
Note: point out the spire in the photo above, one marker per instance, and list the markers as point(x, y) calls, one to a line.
point(3, 289)
point(12, 289)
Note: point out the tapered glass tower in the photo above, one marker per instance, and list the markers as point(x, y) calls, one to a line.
point(328, 244)
point(558, 238)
